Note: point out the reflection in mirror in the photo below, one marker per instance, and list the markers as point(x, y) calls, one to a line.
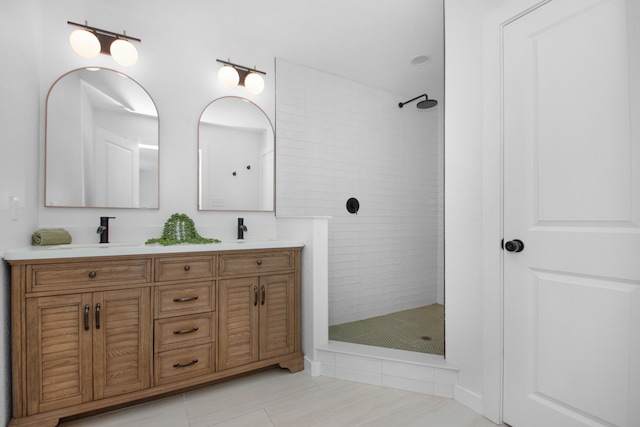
point(101, 146)
point(235, 157)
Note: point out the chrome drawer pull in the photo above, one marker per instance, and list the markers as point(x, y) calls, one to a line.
point(185, 299)
point(92, 274)
point(186, 331)
point(184, 365)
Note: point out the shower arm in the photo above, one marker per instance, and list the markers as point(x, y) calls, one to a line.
point(402, 104)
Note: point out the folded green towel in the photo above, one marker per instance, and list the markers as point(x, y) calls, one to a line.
point(51, 236)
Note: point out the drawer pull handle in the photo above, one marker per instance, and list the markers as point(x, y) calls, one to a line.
point(86, 317)
point(92, 274)
point(264, 294)
point(186, 331)
point(259, 262)
point(97, 316)
point(185, 299)
point(187, 267)
point(184, 365)
point(255, 296)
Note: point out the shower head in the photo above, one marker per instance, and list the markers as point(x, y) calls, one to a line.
point(426, 103)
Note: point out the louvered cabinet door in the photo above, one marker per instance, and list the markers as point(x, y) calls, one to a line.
point(123, 341)
point(59, 349)
point(238, 321)
point(277, 322)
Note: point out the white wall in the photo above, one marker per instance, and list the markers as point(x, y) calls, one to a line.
point(466, 227)
point(337, 139)
point(19, 119)
point(178, 68)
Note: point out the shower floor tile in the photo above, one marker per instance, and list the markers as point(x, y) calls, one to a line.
point(420, 329)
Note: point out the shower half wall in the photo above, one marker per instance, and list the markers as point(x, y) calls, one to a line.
point(338, 139)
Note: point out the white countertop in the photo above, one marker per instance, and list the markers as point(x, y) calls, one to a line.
point(76, 250)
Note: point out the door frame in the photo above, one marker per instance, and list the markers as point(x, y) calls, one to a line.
point(493, 201)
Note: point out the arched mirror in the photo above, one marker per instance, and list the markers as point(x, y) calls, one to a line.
point(101, 143)
point(236, 159)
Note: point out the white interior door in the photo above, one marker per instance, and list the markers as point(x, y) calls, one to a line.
point(118, 170)
point(572, 195)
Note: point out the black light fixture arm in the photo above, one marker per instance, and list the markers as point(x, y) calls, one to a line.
point(104, 32)
point(402, 104)
point(241, 67)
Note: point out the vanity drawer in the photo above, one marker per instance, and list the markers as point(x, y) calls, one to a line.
point(185, 268)
point(256, 263)
point(175, 332)
point(177, 300)
point(177, 365)
point(78, 275)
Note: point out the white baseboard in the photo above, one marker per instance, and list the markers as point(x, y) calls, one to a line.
point(468, 398)
point(313, 367)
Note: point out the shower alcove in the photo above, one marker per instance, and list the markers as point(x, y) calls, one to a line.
point(354, 141)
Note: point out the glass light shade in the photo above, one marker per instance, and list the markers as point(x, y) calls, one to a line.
point(228, 77)
point(254, 83)
point(123, 52)
point(85, 43)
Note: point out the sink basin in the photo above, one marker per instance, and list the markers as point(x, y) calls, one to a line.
point(91, 246)
point(247, 241)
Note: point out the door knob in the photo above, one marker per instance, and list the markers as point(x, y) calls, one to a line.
point(515, 245)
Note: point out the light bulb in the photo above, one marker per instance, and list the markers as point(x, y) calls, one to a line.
point(254, 83)
point(228, 77)
point(85, 43)
point(123, 52)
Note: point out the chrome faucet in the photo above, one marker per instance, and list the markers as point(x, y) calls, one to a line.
point(103, 230)
point(241, 228)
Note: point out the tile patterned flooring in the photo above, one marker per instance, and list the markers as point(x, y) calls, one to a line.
point(402, 330)
point(276, 398)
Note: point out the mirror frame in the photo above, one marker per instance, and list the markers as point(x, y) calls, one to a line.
point(46, 141)
point(273, 178)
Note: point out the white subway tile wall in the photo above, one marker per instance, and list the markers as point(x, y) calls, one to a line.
point(336, 139)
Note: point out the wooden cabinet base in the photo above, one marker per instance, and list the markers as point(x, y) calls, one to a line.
point(294, 363)
point(99, 333)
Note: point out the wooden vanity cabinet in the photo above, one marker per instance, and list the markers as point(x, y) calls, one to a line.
point(257, 315)
point(185, 321)
point(89, 334)
point(86, 346)
point(257, 321)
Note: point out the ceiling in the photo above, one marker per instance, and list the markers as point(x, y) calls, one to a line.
point(370, 41)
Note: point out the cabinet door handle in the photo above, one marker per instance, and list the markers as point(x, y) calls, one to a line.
point(263, 296)
point(98, 316)
point(186, 331)
point(185, 299)
point(255, 296)
point(86, 317)
point(184, 365)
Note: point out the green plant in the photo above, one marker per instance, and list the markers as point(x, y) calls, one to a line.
point(179, 228)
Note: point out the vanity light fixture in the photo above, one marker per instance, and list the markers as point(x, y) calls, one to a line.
point(89, 42)
point(231, 75)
